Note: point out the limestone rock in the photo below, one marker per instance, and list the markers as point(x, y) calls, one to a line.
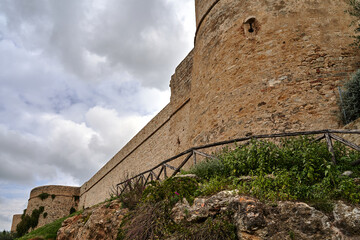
point(102, 222)
point(347, 218)
point(280, 220)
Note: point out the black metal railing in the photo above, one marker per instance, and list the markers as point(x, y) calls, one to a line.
point(163, 167)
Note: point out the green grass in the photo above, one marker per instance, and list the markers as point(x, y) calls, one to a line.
point(301, 169)
point(48, 231)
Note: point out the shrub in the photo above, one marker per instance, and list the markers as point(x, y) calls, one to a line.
point(28, 222)
point(219, 228)
point(53, 196)
point(45, 214)
point(172, 190)
point(132, 196)
point(354, 10)
point(210, 168)
point(215, 185)
point(351, 99)
point(275, 168)
point(43, 196)
point(148, 221)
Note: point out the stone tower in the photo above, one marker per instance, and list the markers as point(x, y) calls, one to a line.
point(258, 66)
point(268, 66)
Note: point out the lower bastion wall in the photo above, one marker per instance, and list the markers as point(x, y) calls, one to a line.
point(15, 221)
point(163, 137)
point(56, 200)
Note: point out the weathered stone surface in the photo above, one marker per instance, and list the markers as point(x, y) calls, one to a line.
point(281, 220)
point(57, 204)
point(102, 222)
point(347, 218)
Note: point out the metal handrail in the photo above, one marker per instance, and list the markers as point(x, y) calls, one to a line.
point(327, 134)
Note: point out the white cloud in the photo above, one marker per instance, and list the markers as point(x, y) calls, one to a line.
point(78, 79)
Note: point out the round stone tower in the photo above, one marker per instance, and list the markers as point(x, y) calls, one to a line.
point(56, 201)
point(264, 66)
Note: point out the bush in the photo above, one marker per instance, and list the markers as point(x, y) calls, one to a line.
point(219, 228)
point(132, 196)
point(275, 168)
point(28, 222)
point(148, 221)
point(210, 168)
point(171, 190)
point(354, 10)
point(43, 196)
point(351, 99)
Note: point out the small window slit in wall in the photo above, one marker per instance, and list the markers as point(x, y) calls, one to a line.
point(251, 26)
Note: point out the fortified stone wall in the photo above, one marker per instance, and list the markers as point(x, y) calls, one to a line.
point(15, 221)
point(57, 204)
point(269, 66)
point(164, 136)
point(257, 67)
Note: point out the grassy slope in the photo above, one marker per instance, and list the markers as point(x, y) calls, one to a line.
point(48, 231)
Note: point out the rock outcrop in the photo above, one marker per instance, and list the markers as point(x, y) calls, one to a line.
point(100, 222)
point(253, 219)
point(280, 220)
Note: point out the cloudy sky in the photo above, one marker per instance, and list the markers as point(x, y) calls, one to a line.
point(78, 79)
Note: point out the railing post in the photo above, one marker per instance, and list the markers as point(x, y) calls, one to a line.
point(330, 148)
point(194, 153)
point(165, 174)
point(182, 164)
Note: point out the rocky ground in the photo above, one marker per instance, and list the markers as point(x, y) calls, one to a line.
point(253, 219)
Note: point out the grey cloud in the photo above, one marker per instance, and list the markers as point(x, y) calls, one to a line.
point(140, 37)
point(65, 65)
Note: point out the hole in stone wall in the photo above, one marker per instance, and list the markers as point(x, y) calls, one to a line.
point(251, 26)
point(251, 23)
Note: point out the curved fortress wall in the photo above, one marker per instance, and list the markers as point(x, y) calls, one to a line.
point(56, 200)
point(265, 66)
